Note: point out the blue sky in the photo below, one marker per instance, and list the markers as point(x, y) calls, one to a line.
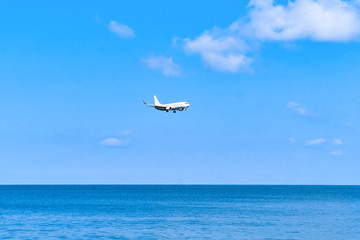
point(273, 88)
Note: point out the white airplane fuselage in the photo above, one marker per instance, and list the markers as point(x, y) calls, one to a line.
point(179, 106)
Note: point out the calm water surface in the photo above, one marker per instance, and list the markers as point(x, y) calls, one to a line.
point(179, 212)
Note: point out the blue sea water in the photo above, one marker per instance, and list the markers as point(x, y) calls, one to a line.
point(179, 212)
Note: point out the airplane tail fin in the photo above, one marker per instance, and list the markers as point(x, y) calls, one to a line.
point(156, 101)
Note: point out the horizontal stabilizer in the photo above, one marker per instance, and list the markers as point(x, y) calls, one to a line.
point(149, 105)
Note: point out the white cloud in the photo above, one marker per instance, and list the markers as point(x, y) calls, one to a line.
point(348, 124)
point(223, 53)
point(292, 140)
point(320, 20)
point(338, 142)
point(97, 19)
point(113, 142)
point(209, 42)
point(336, 153)
point(126, 132)
point(226, 62)
point(165, 65)
point(315, 141)
point(174, 41)
point(297, 108)
point(121, 30)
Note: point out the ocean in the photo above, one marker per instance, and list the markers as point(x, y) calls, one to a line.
point(179, 212)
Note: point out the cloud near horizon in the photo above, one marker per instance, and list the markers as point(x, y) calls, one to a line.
point(112, 142)
point(126, 132)
point(315, 141)
point(318, 20)
point(336, 153)
point(297, 108)
point(163, 64)
point(122, 30)
point(292, 140)
point(338, 142)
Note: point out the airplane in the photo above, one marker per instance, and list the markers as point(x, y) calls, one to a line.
point(179, 106)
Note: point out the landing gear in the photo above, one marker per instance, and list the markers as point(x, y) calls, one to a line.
point(174, 111)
